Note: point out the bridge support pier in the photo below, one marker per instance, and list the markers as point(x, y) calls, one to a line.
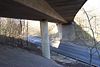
point(59, 26)
point(68, 32)
point(57, 39)
point(45, 39)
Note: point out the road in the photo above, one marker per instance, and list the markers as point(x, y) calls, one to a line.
point(77, 52)
point(17, 57)
point(72, 50)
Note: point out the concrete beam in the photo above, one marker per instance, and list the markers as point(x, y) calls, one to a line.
point(43, 7)
point(45, 39)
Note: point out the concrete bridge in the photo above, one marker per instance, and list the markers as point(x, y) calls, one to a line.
point(61, 12)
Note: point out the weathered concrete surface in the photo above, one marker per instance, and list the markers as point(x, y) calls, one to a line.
point(16, 57)
point(43, 7)
point(58, 11)
point(45, 39)
point(68, 33)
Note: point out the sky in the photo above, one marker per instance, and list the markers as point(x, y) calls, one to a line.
point(92, 7)
point(92, 4)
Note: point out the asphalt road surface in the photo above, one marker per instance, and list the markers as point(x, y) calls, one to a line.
point(77, 52)
point(16, 57)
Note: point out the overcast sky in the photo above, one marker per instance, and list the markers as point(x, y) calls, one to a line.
point(92, 4)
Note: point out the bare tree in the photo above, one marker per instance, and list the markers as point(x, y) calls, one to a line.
point(94, 39)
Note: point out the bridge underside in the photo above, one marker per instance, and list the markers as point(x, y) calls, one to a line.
point(51, 10)
point(58, 11)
